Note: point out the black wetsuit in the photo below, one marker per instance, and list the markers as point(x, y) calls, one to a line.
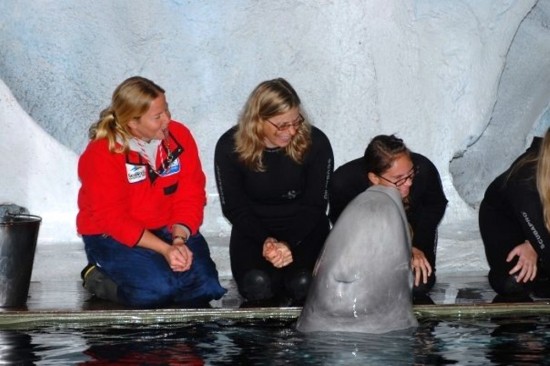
point(427, 203)
point(510, 213)
point(288, 201)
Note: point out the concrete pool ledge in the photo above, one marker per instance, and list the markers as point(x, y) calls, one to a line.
point(540, 307)
point(32, 319)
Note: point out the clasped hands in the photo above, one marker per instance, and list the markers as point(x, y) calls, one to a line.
point(277, 252)
point(179, 257)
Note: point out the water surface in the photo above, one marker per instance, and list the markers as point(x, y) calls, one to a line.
point(475, 341)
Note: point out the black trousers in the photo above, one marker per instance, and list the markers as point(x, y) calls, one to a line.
point(246, 256)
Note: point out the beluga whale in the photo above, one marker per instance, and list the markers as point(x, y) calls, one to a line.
point(362, 281)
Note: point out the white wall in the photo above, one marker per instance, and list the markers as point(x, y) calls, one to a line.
point(38, 172)
point(444, 75)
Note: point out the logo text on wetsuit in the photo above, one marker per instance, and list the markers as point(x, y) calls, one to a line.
point(533, 230)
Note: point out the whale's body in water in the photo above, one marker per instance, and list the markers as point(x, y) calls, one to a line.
point(362, 281)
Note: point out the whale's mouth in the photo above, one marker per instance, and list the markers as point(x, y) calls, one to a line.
point(345, 280)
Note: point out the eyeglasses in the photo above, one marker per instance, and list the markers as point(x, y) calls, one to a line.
point(286, 125)
point(400, 182)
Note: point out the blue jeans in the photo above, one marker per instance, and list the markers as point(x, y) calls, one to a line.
point(144, 278)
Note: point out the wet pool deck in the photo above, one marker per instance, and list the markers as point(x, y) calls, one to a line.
point(57, 302)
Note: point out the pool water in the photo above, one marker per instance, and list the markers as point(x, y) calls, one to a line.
point(475, 341)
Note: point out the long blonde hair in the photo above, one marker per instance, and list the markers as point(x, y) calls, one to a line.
point(269, 99)
point(130, 100)
point(543, 177)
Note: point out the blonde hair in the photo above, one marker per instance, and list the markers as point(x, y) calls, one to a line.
point(543, 177)
point(130, 100)
point(269, 99)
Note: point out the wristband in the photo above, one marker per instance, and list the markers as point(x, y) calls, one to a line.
point(180, 237)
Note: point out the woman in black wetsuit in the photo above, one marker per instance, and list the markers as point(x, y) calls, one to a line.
point(514, 220)
point(388, 161)
point(272, 171)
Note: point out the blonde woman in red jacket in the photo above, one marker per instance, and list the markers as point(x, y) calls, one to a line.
point(141, 205)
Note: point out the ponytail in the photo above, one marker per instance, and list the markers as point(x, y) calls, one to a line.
point(108, 127)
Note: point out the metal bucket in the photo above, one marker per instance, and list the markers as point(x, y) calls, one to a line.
point(18, 236)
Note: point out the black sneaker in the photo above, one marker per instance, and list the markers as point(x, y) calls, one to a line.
point(541, 288)
point(501, 299)
point(98, 283)
point(264, 303)
point(90, 267)
point(422, 299)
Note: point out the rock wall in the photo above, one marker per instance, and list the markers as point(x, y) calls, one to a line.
point(465, 83)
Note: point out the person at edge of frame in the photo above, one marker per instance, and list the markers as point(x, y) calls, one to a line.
point(514, 222)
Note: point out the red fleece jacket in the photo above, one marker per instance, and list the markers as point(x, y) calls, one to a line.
point(121, 196)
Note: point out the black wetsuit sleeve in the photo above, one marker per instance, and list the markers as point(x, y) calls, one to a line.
point(235, 203)
point(347, 182)
point(428, 204)
point(525, 201)
point(319, 167)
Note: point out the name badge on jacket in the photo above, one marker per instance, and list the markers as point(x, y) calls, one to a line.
point(136, 173)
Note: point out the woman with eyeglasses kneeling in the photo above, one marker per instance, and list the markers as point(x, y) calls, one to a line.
point(272, 171)
point(388, 161)
point(514, 222)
